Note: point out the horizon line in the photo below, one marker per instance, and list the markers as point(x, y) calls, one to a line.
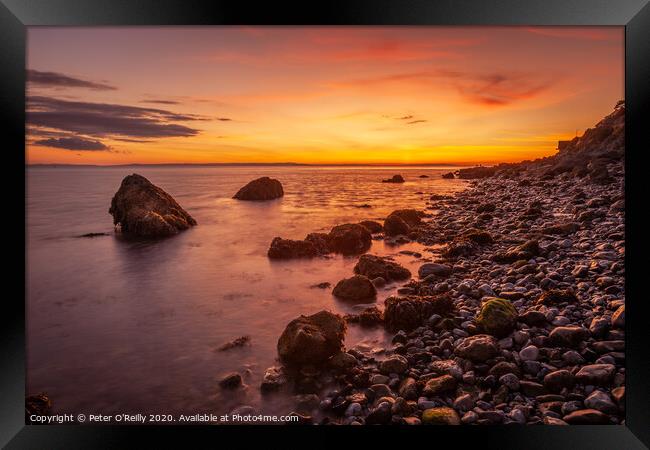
point(464, 164)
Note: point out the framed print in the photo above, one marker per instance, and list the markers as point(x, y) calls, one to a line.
point(239, 218)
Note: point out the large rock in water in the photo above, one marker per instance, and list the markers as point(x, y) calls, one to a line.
point(349, 239)
point(376, 266)
point(264, 188)
point(312, 339)
point(143, 209)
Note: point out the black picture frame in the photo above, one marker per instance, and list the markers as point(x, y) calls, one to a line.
point(16, 15)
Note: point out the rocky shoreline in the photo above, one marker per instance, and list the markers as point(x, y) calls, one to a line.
point(517, 317)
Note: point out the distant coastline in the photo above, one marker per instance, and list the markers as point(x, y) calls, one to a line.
point(258, 164)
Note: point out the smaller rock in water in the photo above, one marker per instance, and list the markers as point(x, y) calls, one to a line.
point(92, 235)
point(261, 189)
point(231, 381)
point(376, 266)
point(289, 249)
point(349, 239)
point(372, 226)
point(355, 288)
point(394, 179)
point(448, 176)
point(239, 342)
point(312, 339)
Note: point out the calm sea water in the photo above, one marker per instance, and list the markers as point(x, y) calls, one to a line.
point(120, 326)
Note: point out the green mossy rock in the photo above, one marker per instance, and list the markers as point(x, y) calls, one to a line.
point(497, 317)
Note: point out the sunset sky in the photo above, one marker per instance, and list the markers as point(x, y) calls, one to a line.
point(405, 95)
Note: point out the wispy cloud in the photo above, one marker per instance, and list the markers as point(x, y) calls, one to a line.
point(59, 80)
point(488, 89)
point(73, 143)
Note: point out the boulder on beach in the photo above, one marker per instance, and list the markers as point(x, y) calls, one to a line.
point(407, 313)
point(448, 176)
point(356, 288)
point(394, 179)
point(144, 210)
point(376, 266)
point(289, 249)
point(497, 317)
point(264, 188)
point(349, 239)
point(312, 340)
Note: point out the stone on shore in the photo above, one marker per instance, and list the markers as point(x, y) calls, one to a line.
point(497, 317)
point(394, 226)
point(407, 313)
point(312, 339)
point(440, 416)
point(144, 210)
point(356, 288)
point(376, 266)
point(264, 188)
point(439, 270)
point(477, 348)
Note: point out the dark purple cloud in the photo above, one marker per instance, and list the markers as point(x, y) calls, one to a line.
point(55, 79)
point(107, 120)
point(73, 143)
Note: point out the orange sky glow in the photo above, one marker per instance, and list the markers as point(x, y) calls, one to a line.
point(375, 95)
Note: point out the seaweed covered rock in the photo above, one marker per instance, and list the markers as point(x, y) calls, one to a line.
point(312, 340)
point(407, 313)
point(264, 188)
point(349, 239)
point(288, 249)
point(376, 266)
point(356, 288)
point(497, 317)
point(144, 210)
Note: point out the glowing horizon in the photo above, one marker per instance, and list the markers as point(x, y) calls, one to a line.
point(329, 95)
